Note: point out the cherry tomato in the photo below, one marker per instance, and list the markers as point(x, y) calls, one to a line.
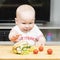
point(40, 48)
point(35, 51)
point(49, 51)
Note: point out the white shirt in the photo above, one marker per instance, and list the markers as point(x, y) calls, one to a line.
point(30, 36)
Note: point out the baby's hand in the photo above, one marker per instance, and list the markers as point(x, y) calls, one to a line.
point(39, 44)
point(15, 37)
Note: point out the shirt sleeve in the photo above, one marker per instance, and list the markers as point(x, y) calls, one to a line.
point(16, 29)
point(38, 32)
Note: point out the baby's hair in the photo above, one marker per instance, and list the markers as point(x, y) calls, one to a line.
point(25, 8)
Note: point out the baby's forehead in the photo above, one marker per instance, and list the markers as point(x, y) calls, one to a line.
point(27, 15)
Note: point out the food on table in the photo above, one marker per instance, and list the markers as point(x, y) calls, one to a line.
point(41, 48)
point(49, 51)
point(35, 51)
point(22, 47)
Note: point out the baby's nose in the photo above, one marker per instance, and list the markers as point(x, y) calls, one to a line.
point(27, 25)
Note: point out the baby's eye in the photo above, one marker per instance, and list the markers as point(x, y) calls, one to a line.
point(30, 23)
point(23, 23)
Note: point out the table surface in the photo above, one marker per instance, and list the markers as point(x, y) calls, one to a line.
point(7, 54)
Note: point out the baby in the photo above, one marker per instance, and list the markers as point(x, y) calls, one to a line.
point(25, 28)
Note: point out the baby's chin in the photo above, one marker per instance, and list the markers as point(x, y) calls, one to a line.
point(25, 31)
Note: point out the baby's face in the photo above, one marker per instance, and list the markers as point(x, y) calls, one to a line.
point(26, 25)
point(25, 18)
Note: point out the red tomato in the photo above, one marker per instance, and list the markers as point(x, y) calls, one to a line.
point(49, 51)
point(35, 51)
point(40, 48)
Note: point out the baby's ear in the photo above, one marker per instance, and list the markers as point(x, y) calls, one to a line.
point(16, 20)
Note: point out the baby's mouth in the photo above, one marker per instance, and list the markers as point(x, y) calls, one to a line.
point(26, 30)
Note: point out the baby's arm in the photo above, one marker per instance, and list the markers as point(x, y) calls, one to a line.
point(41, 40)
point(13, 35)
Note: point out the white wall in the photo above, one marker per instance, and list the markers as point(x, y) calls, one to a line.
point(55, 12)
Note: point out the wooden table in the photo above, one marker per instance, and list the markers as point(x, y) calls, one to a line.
point(6, 54)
